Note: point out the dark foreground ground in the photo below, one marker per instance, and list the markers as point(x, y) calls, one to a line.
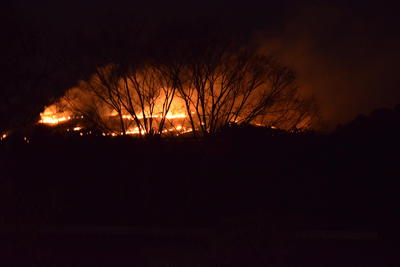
point(247, 197)
point(198, 247)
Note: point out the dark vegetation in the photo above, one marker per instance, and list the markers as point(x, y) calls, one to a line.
point(258, 189)
point(124, 180)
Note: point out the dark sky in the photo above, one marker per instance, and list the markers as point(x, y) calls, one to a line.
point(345, 52)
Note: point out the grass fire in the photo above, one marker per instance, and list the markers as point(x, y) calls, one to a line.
point(200, 96)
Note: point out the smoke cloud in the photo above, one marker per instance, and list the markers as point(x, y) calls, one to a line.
point(347, 61)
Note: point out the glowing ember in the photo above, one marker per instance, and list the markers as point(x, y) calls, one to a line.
point(77, 129)
point(3, 136)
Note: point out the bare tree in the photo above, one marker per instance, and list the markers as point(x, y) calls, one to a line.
point(105, 85)
point(85, 104)
point(142, 96)
point(223, 85)
point(227, 84)
point(219, 82)
point(148, 98)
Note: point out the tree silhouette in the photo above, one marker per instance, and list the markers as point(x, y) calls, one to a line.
point(216, 80)
point(224, 84)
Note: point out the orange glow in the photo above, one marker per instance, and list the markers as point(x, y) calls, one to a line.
point(73, 104)
point(149, 102)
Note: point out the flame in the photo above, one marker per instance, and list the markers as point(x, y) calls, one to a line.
point(52, 116)
point(140, 117)
point(178, 130)
point(133, 131)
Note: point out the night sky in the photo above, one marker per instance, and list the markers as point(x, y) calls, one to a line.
point(344, 52)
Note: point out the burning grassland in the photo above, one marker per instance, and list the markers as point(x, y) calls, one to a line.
point(73, 115)
point(52, 116)
point(201, 95)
